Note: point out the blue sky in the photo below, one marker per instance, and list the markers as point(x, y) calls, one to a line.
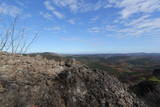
point(87, 26)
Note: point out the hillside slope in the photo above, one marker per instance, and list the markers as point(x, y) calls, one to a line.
point(37, 82)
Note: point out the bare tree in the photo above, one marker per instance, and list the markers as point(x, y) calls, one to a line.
point(14, 41)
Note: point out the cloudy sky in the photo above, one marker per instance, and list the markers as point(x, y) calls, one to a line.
point(87, 26)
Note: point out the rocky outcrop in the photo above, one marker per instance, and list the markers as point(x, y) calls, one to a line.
point(156, 73)
point(149, 91)
point(38, 82)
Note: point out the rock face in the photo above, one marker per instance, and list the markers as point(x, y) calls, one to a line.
point(37, 82)
point(148, 91)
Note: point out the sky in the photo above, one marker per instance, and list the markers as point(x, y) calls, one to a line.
point(87, 26)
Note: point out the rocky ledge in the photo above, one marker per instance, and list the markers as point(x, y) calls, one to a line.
point(37, 82)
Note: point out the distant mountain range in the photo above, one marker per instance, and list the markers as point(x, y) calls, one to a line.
point(117, 54)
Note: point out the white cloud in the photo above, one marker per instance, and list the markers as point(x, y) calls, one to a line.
point(143, 25)
point(127, 7)
point(80, 5)
point(72, 4)
point(47, 16)
point(125, 25)
point(111, 28)
point(71, 21)
point(130, 7)
point(55, 29)
point(95, 29)
point(149, 23)
point(49, 6)
point(9, 10)
point(135, 21)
